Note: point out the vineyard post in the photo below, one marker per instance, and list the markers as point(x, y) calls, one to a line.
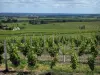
point(64, 57)
point(5, 51)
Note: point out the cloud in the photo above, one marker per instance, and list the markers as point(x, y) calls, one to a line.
point(53, 5)
point(54, 2)
point(22, 1)
point(76, 3)
point(63, 0)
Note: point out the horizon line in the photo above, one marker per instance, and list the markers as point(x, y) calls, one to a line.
point(46, 13)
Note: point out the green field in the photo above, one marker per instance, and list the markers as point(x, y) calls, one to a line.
point(60, 45)
point(51, 28)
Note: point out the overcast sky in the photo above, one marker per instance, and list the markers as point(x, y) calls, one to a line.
point(50, 6)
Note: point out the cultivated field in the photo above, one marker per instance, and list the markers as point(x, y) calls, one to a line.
point(55, 48)
point(52, 28)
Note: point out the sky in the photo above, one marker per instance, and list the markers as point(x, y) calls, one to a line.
point(50, 6)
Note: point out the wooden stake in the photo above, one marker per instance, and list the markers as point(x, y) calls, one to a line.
point(5, 51)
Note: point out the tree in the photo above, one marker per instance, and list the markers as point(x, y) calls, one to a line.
point(93, 55)
point(74, 61)
point(97, 36)
point(62, 40)
point(14, 57)
point(91, 62)
point(82, 49)
point(53, 62)
point(9, 20)
point(24, 47)
point(39, 46)
point(94, 51)
point(77, 42)
point(39, 50)
point(32, 58)
point(63, 50)
point(14, 20)
point(53, 50)
point(56, 40)
point(23, 39)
